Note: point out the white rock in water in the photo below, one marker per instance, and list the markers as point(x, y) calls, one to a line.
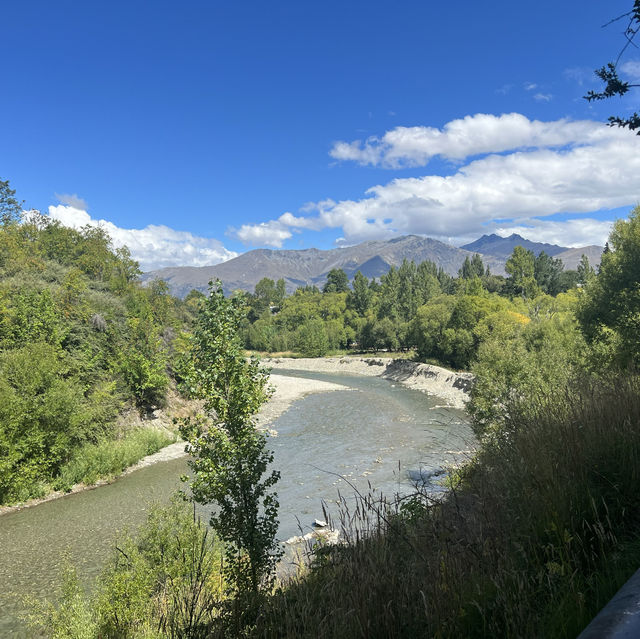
point(319, 523)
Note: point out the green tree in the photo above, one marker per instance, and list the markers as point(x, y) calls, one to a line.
point(10, 208)
point(337, 282)
point(231, 458)
point(360, 297)
point(585, 271)
point(521, 268)
point(312, 338)
point(547, 271)
point(611, 300)
point(473, 267)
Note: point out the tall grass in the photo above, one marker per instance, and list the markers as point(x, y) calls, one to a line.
point(108, 458)
point(535, 536)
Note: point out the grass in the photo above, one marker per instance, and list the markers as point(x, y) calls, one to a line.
point(540, 531)
point(109, 458)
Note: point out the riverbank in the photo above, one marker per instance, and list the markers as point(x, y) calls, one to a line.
point(450, 386)
point(286, 391)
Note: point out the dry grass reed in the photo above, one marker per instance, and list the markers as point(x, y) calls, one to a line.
point(533, 538)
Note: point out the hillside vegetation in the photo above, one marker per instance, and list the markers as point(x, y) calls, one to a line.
point(80, 341)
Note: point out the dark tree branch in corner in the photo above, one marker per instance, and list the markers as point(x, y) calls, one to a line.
point(609, 73)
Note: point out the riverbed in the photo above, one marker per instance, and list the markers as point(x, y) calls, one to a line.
point(367, 432)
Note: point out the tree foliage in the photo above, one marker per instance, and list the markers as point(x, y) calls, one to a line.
point(231, 459)
point(80, 339)
point(610, 308)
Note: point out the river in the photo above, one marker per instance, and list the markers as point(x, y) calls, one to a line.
point(374, 434)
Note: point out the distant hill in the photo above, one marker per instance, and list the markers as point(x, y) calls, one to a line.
point(373, 259)
point(310, 266)
point(503, 246)
point(571, 257)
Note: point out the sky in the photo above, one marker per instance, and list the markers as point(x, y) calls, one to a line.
point(196, 131)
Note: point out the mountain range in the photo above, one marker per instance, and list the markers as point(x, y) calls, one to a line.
point(373, 259)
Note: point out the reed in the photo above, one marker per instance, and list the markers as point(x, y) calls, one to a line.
point(535, 535)
point(111, 457)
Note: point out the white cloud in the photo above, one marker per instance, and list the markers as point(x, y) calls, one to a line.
point(631, 69)
point(527, 169)
point(272, 233)
point(473, 135)
point(570, 233)
point(154, 246)
point(530, 86)
point(543, 97)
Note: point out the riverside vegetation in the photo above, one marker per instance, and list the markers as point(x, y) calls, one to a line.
point(80, 342)
point(535, 534)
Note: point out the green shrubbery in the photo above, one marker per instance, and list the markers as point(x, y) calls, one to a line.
point(79, 339)
point(165, 582)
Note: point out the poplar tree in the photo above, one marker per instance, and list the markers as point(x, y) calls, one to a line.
point(230, 457)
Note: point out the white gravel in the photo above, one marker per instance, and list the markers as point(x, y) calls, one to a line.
point(449, 386)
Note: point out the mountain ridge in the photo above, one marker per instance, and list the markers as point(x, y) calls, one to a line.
point(300, 267)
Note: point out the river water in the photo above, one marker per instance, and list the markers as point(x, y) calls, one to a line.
point(373, 435)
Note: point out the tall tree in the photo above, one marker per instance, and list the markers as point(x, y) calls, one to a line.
point(360, 297)
point(585, 271)
point(521, 267)
point(230, 457)
point(337, 282)
point(471, 268)
point(10, 208)
point(546, 271)
point(612, 299)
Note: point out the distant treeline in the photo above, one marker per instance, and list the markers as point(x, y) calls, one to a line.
point(419, 307)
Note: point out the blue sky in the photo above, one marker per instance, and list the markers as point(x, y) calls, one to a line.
point(194, 131)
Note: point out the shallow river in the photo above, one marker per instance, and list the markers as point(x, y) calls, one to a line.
point(376, 433)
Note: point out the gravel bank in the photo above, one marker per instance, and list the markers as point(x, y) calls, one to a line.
point(452, 387)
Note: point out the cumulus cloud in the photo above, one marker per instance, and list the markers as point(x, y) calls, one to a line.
point(272, 233)
point(154, 246)
point(528, 170)
point(459, 139)
point(570, 233)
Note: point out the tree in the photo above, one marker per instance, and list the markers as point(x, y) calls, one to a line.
point(611, 301)
point(521, 267)
point(360, 297)
point(609, 73)
point(230, 455)
point(546, 271)
point(585, 271)
point(337, 282)
point(472, 267)
point(312, 339)
point(10, 208)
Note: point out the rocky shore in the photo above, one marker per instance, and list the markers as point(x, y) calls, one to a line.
point(452, 387)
